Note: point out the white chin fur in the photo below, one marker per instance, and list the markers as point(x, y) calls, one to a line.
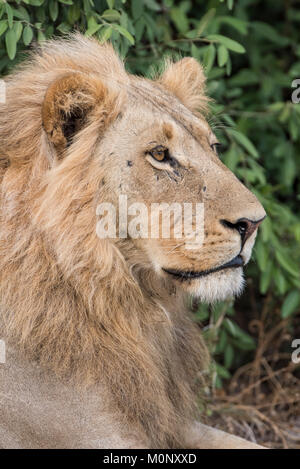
point(218, 286)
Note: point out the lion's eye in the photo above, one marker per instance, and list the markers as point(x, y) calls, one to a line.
point(160, 154)
point(215, 146)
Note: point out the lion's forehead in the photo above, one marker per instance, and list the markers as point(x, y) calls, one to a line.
point(167, 106)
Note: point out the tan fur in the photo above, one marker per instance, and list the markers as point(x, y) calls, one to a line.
point(102, 311)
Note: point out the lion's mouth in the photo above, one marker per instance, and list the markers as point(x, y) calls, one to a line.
point(187, 275)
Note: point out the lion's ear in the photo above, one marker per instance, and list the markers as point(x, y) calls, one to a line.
point(186, 80)
point(67, 106)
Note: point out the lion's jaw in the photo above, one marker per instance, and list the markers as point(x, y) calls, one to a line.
point(224, 284)
point(216, 284)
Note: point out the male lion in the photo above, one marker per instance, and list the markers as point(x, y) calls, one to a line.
point(101, 350)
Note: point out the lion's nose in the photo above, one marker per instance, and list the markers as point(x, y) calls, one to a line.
point(244, 226)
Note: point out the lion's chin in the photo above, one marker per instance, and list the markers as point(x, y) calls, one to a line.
point(217, 286)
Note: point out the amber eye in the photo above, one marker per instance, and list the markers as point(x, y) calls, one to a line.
point(160, 153)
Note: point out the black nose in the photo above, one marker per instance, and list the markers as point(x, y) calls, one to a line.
point(244, 226)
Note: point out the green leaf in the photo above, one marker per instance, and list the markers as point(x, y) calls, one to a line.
point(296, 231)
point(66, 2)
point(41, 15)
point(209, 57)
point(104, 34)
point(222, 55)
point(228, 66)
point(222, 342)
point(286, 263)
point(179, 19)
point(261, 254)
point(18, 28)
point(205, 20)
point(237, 344)
point(243, 141)
point(27, 35)
point(244, 77)
point(124, 20)
point(195, 51)
point(151, 4)
point(280, 281)
point(229, 43)
point(266, 230)
point(3, 27)
point(217, 383)
point(230, 327)
point(63, 27)
point(222, 372)
point(110, 3)
point(35, 3)
point(266, 277)
point(231, 157)
point(124, 33)
point(228, 356)
point(202, 315)
point(111, 15)
point(87, 7)
point(74, 13)
point(93, 27)
point(49, 31)
point(290, 304)
point(240, 25)
point(289, 171)
point(53, 9)
point(11, 43)
point(137, 7)
point(269, 33)
point(139, 29)
point(10, 15)
point(245, 339)
point(22, 14)
point(41, 37)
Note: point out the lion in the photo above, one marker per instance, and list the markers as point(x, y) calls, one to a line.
point(102, 351)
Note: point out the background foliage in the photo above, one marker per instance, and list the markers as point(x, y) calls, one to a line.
point(251, 53)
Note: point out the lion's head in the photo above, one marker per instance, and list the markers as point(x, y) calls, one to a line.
point(155, 147)
point(76, 132)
